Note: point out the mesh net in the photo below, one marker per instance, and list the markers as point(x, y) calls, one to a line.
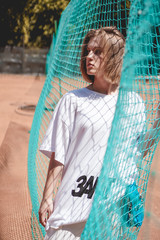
point(50, 53)
point(118, 207)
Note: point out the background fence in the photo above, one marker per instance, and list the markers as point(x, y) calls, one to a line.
point(21, 60)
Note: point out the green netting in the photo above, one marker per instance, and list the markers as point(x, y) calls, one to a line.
point(50, 54)
point(139, 21)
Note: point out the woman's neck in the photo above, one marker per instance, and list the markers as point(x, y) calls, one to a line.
point(103, 87)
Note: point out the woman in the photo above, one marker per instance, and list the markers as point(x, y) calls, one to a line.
point(77, 136)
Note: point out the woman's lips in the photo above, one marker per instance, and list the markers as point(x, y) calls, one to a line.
point(90, 65)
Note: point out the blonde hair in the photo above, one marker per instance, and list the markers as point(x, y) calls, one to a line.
point(112, 42)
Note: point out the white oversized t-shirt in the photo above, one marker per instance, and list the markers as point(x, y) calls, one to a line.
point(78, 133)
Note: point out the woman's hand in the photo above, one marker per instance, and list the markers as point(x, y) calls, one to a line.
point(45, 211)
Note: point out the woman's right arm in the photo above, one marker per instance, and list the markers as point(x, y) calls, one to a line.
point(52, 182)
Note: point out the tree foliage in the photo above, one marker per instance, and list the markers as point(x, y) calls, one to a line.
point(38, 21)
point(9, 11)
point(29, 23)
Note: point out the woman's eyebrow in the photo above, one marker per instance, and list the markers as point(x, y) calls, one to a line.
point(93, 48)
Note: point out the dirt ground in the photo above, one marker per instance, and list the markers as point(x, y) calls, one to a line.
point(17, 91)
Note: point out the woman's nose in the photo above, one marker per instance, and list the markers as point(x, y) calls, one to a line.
point(90, 55)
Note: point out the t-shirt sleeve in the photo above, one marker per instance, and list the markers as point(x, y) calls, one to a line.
point(58, 134)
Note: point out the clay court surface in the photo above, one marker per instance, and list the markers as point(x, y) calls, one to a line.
point(17, 91)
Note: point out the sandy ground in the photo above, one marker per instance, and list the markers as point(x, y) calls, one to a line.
point(15, 124)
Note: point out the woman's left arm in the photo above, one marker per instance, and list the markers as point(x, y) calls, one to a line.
point(150, 136)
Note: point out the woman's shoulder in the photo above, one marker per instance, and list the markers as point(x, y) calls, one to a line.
point(132, 103)
point(136, 102)
point(76, 93)
point(135, 97)
point(72, 97)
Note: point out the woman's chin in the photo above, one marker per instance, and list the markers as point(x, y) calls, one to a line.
point(91, 73)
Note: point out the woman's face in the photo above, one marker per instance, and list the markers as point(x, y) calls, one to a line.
point(95, 57)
